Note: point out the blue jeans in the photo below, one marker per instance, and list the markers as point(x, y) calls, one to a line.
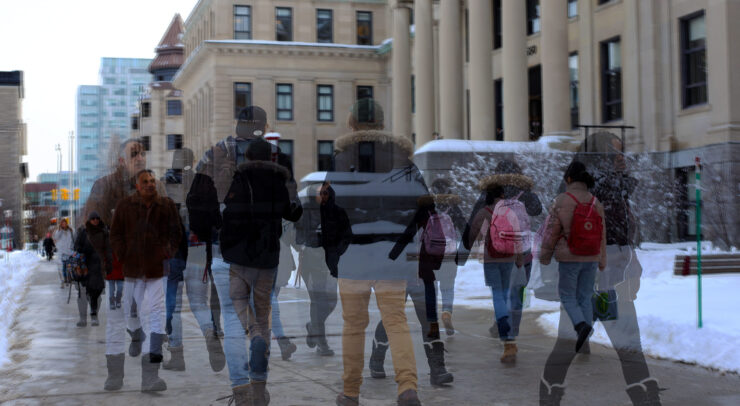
point(498, 277)
point(115, 289)
point(277, 325)
point(517, 288)
point(576, 286)
point(173, 302)
point(235, 336)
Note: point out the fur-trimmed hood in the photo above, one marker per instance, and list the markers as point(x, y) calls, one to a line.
point(441, 199)
point(520, 181)
point(355, 137)
point(265, 166)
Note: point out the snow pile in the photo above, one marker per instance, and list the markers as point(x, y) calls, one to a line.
point(14, 270)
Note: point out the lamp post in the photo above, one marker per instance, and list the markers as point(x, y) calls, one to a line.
point(58, 149)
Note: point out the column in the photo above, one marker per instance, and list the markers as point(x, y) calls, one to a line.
point(424, 67)
point(556, 77)
point(401, 65)
point(450, 70)
point(586, 64)
point(481, 70)
point(516, 94)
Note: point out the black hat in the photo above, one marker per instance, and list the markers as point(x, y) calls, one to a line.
point(93, 215)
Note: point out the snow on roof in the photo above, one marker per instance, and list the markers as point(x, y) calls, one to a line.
point(485, 146)
point(302, 44)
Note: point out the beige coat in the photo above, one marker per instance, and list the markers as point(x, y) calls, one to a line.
point(557, 229)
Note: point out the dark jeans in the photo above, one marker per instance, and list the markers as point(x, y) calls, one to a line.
point(516, 301)
point(177, 266)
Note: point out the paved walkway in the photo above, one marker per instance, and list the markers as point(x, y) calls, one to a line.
point(56, 363)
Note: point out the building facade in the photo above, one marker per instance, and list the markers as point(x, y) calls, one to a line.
point(13, 140)
point(103, 114)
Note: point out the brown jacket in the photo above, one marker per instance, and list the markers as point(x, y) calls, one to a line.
point(557, 229)
point(109, 190)
point(145, 238)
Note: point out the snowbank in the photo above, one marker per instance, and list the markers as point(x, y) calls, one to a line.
point(14, 271)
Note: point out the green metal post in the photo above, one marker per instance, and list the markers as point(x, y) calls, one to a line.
point(698, 236)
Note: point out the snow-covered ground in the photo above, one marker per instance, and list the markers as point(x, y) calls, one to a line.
point(14, 270)
point(666, 308)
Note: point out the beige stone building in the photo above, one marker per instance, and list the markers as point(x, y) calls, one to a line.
point(13, 171)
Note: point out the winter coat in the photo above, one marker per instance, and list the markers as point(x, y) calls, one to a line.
point(380, 204)
point(93, 242)
point(613, 189)
point(64, 241)
point(48, 244)
point(477, 227)
point(335, 234)
point(143, 237)
point(256, 203)
point(557, 228)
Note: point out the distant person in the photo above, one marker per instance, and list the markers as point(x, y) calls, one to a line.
point(49, 247)
point(145, 234)
point(64, 241)
point(94, 243)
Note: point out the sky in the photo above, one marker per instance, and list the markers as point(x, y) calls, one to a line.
point(58, 46)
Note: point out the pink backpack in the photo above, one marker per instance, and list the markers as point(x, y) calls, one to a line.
point(439, 236)
point(509, 233)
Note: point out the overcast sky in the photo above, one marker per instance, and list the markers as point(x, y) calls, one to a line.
point(58, 46)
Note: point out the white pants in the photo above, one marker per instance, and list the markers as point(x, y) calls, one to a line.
point(149, 297)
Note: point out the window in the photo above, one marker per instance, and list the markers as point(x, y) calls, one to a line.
point(174, 141)
point(120, 92)
point(242, 97)
point(284, 101)
point(283, 23)
point(694, 59)
point(173, 176)
point(498, 96)
point(174, 108)
point(326, 156)
point(364, 92)
point(325, 102)
point(533, 16)
point(603, 1)
point(572, 8)
point(497, 38)
point(534, 77)
point(146, 142)
point(286, 147)
point(413, 93)
point(611, 80)
point(146, 109)
point(364, 28)
point(573, 68)
point(134, 123)
point(242, 22)
point(466, 21)
point(366, 150)
point(324, 29)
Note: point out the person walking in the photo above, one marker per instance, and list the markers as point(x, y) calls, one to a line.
point(93, 242)
point(64, 242)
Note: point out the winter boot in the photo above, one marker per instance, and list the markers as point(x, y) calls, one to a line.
point(408, 398)
point(438, 375)
point(242, 395)
point(94, 320)
point(115, 371)
point(344, 400)
point(137, 337)
point(322, 347)
point(377, 359)
point(583, 330)
point(177, 359)
point(82, 309)
point(286, 347)
point(433, 333)
point(550, 394)
point(645, 393)
point(509, 355)
point(215, 352)
point(155, 347)
point(311, 339)
point(260, 396)
point(447, 321)
point(150, 380)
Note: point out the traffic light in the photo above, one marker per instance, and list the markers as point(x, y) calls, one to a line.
point(76, 194)
point(65, 194)
point(53, 194)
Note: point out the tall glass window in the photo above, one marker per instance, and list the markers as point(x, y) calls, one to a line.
point(174, 141)
point(573, 68)
point(284, 101)
point(498, 96)
point(326, 156)
point(364, 92)
point(242, 97)
point(366, 157)
point(364, 28)
point(497, 37)
point(242, 22)
point(611, 80)
point(572, 8)
point(533, 16)
point(283, 24)
point(325, 102)
point(174, 108)
point(286, 147)
point(324, 26)
point(694, 59)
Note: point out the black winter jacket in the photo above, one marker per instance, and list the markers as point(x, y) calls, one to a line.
point(94, 243)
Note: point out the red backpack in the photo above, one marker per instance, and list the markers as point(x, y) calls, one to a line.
point(585, 229)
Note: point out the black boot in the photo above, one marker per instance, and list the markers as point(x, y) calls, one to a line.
point(150, 380)
point(645, 393)
point(286, 347)
point(377, 359)
point(311, 339)
point(550, 394)
point(137, 337)
point(115, 371)
point(583, 330)
point(438, 374)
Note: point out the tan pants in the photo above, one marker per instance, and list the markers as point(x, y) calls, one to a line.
point(390, 296)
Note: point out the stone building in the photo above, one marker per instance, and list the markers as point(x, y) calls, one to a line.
point(13, 171)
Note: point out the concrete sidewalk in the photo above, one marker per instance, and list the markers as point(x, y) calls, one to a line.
point(56, 363)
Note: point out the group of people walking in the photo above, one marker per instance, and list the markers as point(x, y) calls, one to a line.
point(372, 225)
